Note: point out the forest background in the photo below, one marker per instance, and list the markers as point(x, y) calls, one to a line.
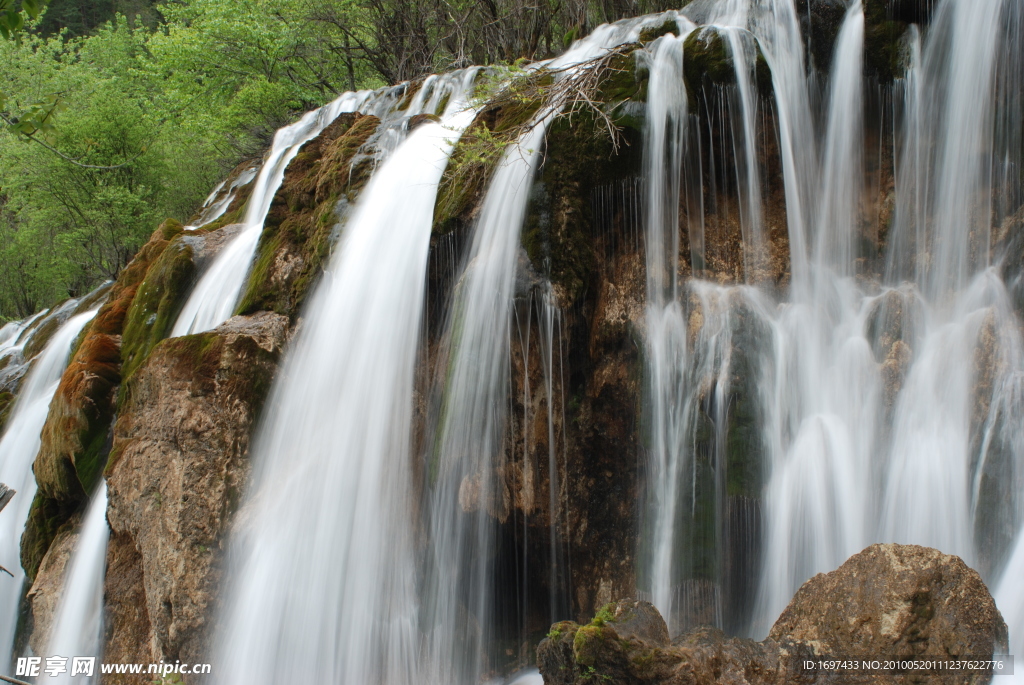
point(170, 95)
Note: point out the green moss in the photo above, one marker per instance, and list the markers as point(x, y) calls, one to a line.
point(604, 615)
point(883, 44)
point(558, 233)
point(89, 464)
point(706, 61)
point(45, 519)
point(745, 450)
point(651, 32)
point(480, 148)
point(6, 404)
point(300, 226)
point(588, 644)
point(411, 89)
point(157, 303)
point(229, 217)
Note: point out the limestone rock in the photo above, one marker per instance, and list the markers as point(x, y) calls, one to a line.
point(895, 600)
point(889, 601)
point(175, 476)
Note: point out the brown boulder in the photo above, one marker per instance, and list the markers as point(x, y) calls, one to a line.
point(887, 602)
point(895, 601)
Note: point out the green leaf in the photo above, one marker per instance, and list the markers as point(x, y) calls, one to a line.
point(31, 7)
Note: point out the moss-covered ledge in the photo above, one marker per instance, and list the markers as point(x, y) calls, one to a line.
point(75, 437)
point(323, 178)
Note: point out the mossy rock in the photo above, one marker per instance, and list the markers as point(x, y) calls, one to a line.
point(6, 405)
point(558, 234)
point(589, 642)
point(234, 366)
point(46, 517)
point(649, 33)
point(301, 225)
point(156, 304)
point(74, 439)
point(883, 42)
point(481, 147)
point(624, 81)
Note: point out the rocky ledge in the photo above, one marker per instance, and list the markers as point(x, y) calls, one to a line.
point(889, 601)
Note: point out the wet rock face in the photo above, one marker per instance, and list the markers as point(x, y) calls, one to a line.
point(177, 467)
point(888, 601)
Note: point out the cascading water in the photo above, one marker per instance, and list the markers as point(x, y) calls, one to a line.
point(78, 620)
point(323, 555)
point(11, 333)
point(215, 295)
point(873, 422)
point(466, 455)
point(221, 198)
point(18, 448)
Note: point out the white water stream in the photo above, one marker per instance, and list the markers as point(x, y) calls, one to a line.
point(18, 448)
point(77, 623)
point(213, 300)
point(323, 574)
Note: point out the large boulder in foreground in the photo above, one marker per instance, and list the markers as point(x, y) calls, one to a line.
point(889, 601)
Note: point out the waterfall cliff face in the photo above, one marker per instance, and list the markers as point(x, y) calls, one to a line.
point(691, 313)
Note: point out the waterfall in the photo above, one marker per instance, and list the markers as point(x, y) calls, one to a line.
point(823, 414)
point(214, 207)
point(777, 29)
point(323, 577)
point(213, 299)
point(861, 405)
point(18, 448)
point(843, 177)
point(666, 330)
point(11, 333)
point(77, 623)
point(466, 496)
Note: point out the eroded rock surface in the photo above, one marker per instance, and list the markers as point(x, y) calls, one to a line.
point(889, 601)
point(176, 471)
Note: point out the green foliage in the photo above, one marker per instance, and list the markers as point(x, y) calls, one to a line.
point(119, 113)
point(109, 133)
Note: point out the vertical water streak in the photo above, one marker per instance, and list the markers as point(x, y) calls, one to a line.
point(843, 167)
point(743, 52)
point(550, 322)
point(323, 551)
point(18, 448)
point(670, 368)
point(77, 622)
point(777, 28)
point(907, 233)
point(467, 456)
point(1009, 596)
point(960, 63)
point(213, 300)
point(664, 130)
